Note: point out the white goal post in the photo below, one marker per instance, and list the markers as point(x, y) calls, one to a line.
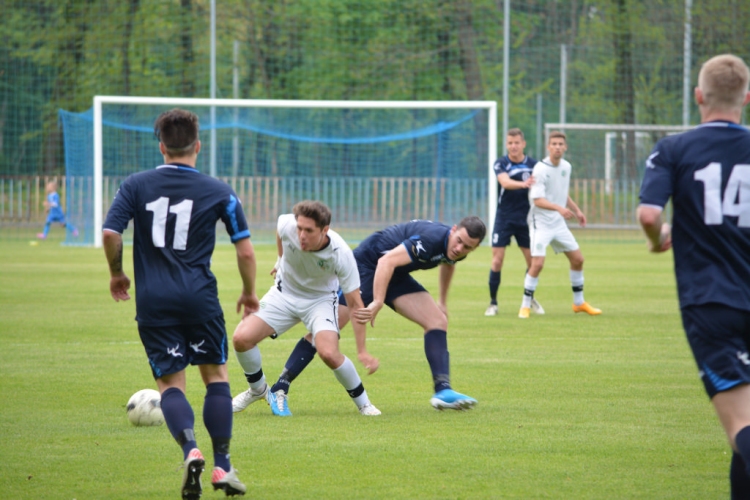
point(99, 101)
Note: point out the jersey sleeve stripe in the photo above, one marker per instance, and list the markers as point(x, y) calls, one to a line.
point(242, 234)
point(231, 207)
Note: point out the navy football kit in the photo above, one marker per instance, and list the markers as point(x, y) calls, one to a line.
point(425, 241)
point(175, 209)
point(512, 204)
point(706, 172)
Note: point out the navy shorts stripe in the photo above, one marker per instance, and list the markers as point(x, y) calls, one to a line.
point(719, 337)
point(170, 349)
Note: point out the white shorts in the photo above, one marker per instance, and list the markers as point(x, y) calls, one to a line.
point(281, 311)
point(558, 235)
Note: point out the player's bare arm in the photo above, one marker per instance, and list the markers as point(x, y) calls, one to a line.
point(354, 301)
point(280, 253)
point(571, 205)
point(387, 264)
point(658, 232)
point(548, 205)
point(119, 283)
point(507, 183)
point(247, 267)
point(446, 276)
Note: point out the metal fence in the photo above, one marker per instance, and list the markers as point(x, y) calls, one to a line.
point(356, 202)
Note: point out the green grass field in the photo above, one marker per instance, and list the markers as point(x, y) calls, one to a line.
point(570, 406)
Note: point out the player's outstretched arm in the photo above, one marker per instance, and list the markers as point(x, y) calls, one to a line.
point(247, 267)
point(507, 183)
point(119, 283)
point(548, 205)
point(576, 211)
point(446, 276)
point(355, 305)
point(658, 233)
point(387, 264)
point(280, 253)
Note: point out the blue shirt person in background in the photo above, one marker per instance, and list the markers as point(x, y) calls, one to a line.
point(706, 172)
point(175, 209)
point(54, 211)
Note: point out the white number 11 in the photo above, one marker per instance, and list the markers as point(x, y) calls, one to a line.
point(736, 199)
point(161, 209)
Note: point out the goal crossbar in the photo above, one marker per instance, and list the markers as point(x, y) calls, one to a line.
point(100, 100)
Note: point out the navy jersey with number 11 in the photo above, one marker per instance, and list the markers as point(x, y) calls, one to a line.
point(175, 209)
point(706, 171)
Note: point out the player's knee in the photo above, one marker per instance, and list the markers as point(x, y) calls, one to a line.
point(330, 355)
point(438, 323)
point(576, 262)
point(241, 339)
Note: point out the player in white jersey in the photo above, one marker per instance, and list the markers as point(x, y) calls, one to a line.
point(313, 262)
point(551, 205)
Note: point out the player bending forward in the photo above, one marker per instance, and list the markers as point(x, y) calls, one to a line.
point(385, 261)
point(313, 261)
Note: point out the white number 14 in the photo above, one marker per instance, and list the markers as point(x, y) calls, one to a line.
point(161, 209)
point(736, 200)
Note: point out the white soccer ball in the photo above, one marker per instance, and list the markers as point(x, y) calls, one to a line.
point(144, 408)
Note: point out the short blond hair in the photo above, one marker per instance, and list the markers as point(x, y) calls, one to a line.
point(723, 80)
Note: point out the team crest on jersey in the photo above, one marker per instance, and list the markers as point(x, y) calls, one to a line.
point(323, 264)
point(563, 173)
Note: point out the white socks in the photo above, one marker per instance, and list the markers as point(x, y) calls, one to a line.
point(529, 283)
point(576, 281)
point(250, 361)
point(347, 376)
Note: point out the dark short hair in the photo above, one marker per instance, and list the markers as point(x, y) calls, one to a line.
point(314, 210)
point(516, 131)
point(474, 226)
point(177, 129)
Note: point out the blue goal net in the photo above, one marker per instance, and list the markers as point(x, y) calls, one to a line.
point(373, 167)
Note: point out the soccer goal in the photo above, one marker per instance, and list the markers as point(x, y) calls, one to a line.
point(608, 162)
point(374, 163)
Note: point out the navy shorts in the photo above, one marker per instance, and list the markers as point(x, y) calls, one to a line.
point(719, 337)
point(170, 349)
point(401, 284)
point(505, 228)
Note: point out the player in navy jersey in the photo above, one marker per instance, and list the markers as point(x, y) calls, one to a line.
point(514, 178)
point(706, 172)
point(175, 209)
point(385, 261)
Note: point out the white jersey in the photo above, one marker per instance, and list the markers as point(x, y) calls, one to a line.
point(551, 183)
point(312, 274)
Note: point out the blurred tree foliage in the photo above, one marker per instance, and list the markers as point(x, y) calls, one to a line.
point(624, 56)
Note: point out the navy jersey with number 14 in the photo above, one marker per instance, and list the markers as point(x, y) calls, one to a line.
point(706, 171)
point(175, 209)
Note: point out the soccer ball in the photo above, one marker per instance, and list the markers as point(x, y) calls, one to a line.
point(144, 408)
